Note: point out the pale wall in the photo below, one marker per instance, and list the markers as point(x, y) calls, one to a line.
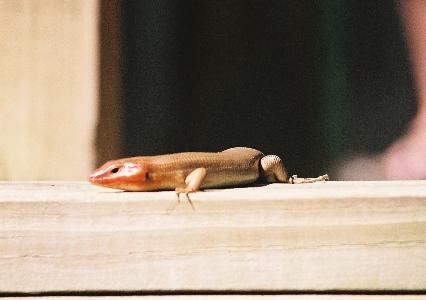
point(49, 87)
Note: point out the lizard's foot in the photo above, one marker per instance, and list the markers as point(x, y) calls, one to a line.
point(295, 180)
point(185, 191)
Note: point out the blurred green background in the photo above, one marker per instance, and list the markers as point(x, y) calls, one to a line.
point(310, 81)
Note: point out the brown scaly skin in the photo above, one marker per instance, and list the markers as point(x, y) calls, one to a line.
point(190, 171)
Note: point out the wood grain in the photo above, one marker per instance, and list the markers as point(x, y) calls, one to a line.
point(347, 236)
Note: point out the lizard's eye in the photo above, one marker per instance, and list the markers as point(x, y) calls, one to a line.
point(115, 170)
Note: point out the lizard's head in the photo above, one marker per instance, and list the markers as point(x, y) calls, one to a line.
point(124, 174)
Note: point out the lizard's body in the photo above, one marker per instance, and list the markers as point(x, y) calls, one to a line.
point(190, 171)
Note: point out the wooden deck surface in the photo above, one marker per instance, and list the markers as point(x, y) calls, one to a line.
point(66, 237)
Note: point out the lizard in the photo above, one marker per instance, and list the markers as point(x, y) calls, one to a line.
point(189, 172)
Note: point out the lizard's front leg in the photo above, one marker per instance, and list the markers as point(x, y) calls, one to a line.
point(193, 182)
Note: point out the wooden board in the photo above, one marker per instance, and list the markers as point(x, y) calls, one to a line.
point(333, 236)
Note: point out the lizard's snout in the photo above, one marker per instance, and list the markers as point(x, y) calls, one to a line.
point(119, 175)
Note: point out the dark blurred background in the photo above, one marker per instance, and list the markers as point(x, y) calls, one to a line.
point(308, 81)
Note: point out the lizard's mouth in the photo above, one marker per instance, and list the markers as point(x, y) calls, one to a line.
point(120, 176)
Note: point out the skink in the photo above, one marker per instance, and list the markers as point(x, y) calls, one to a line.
point(190, 171)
